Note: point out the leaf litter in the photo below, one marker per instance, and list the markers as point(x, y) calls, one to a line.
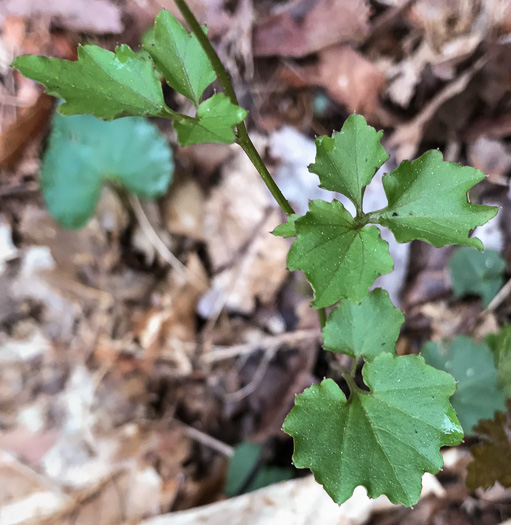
point(109, 357)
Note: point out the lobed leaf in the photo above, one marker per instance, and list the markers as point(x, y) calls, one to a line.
point(180, 57)
point(492, 458)
point(85, 153)
point(480, 273)
point(288, 229)
point(348, 161)
point(339, 258)
point(428, 201)
point(104, 84)
point(384, 439)
point(365, 328)
point(215, 120)
point(478, 395)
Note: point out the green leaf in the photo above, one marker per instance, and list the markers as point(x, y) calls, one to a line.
point(347, 162)
point(500, 345)
point(480, 273)
point(84, 153)
point(180, 57)
point(288, 229)
point(244, 476)
point(478, 395)
point(492, 457)
point(428, 201)
point(215, 119)
point(339, 258)
point(384, 439)
point(364, 329)
point(101, 83)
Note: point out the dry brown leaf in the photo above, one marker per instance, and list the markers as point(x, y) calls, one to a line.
point(492, 157)
point(29, 123)
point(492, 457)
point(91, 16)
point(306, 26)
point(349, 78)
point(442, 20)
point(184, 209)
point(250, 262)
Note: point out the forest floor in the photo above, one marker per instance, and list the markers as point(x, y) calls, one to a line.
point(138, 352)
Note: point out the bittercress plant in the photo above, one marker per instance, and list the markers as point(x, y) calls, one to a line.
point(385, 435)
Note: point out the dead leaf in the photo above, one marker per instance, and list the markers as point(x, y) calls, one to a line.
point(407, 137)
point(87, 16)
point(184, 209)
point(305, 26)
point(249, 262)
point(30, 122)
point(492, 458)
point(349, 78)
point(492, 157)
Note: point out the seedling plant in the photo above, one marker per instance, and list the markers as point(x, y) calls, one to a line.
point(386, 435)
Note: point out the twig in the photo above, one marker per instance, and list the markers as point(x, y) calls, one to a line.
point(161, 248)
point(249, 388)
point(504, 292)
point(220, 353)
point(206, 439)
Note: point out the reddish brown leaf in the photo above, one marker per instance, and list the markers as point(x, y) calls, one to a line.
point(349, 78)
point(306, 26)
point(29, 122)
point(492, 458)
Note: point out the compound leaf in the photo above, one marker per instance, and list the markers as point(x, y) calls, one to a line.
point(384, 439)
point(179, 56)
point(500, 345)
point(480, 273)
point(347, 327)
point(492, 458)
point(84, 153)
point(348, 160)
point(215, 119)
point(478, 395)
point(288, 229)
point(340, 259)
point(105, 84)
point(428, 201)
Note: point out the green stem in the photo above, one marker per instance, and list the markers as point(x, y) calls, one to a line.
point(322, 317)
point(203, 39)
point(168, 113)
point(243, 138)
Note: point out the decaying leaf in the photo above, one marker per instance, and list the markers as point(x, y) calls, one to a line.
point(492, 457)
point(305, 26)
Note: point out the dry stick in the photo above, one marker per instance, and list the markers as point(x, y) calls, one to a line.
point(219, 353)
point(250, 387)
point(160, 246)
point(503, 293)
point(501, 296)
point(206, 439)
point(242, 135)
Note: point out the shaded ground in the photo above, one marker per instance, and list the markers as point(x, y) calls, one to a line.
point(126, 376)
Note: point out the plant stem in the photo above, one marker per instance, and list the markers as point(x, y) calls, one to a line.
point(322, 317)
point(242, 136)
